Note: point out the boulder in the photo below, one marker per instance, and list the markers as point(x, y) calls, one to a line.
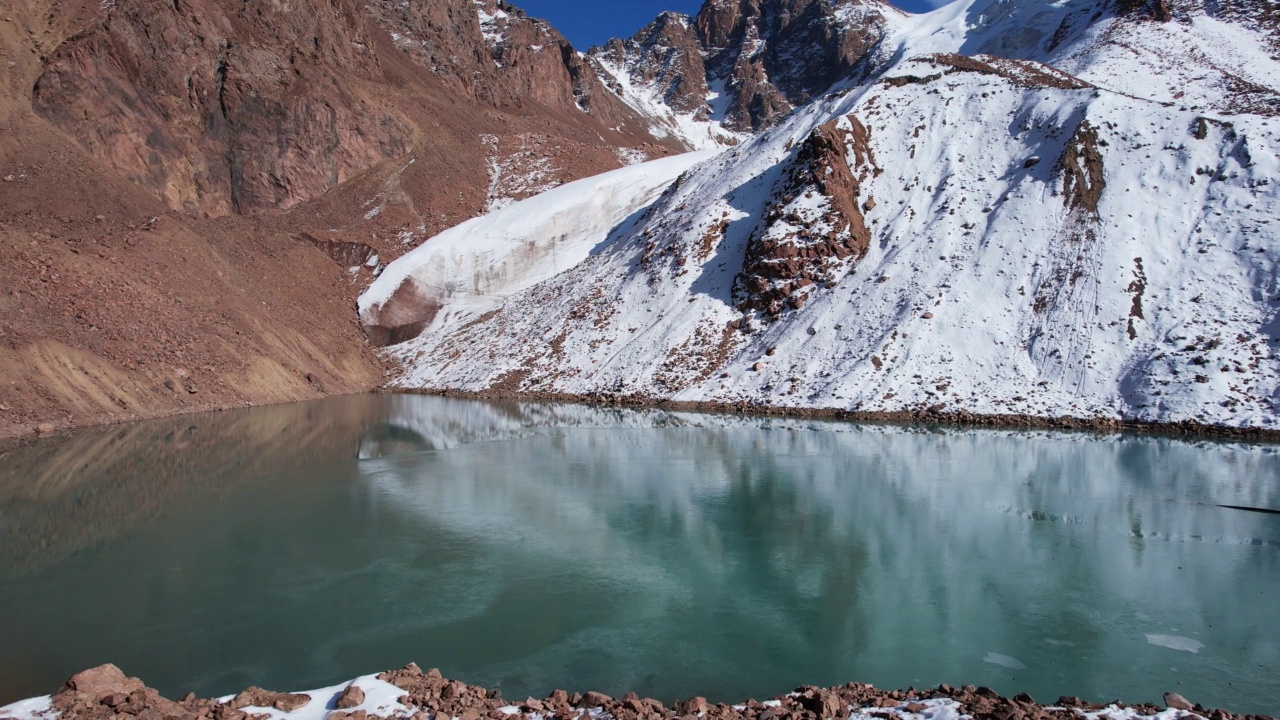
point(351, 696)
point(103, 681)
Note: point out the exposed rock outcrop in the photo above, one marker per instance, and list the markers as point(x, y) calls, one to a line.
point(495, 53)
point(667, 56)
point(218, 106)
point(344, 252)
point(1157, 10)
point(774, 55)
point(1082, 171)
point(816, 231)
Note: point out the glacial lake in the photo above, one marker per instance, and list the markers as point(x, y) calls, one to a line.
point(528, 547)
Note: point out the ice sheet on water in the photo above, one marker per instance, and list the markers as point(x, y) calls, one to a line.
point(1176, 642)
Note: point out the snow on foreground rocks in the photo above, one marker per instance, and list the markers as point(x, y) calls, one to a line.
point(105, 693)
point(980, 234)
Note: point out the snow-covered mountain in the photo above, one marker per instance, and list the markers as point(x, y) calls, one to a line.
point(1009, 207)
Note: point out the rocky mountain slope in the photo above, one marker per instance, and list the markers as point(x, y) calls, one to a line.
point(219, 107)
point(194, 192)
point(1007, 208)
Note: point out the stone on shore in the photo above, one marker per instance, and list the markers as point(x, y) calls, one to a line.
point(350, 697)
point(102, 681)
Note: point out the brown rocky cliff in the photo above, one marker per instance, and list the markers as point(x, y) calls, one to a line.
point(776, 54)
point(220, 107)
point(1081, 164)
point(217, 106)
point(495, 53)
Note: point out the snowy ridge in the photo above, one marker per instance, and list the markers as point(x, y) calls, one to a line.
point(1199, 61)
point(1036, 243)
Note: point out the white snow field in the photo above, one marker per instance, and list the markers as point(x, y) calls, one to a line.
point(1096, 239)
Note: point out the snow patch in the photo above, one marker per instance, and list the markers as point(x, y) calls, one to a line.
point(380, 698)
point(631, 156)
point(493, 23)
point(39, 708)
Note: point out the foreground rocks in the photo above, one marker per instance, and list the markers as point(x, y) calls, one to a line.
point(106, 693)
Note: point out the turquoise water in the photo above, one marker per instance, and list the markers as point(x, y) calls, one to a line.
point(528, 547)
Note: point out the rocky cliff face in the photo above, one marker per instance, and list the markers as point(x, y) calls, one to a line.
point(776, 55)
point(814, 230)
point(495, 53)
point(745, 63)
point(220, 107)
point(667, 56)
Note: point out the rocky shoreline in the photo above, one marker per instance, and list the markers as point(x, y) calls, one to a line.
point(918, 416)
point(106, 693)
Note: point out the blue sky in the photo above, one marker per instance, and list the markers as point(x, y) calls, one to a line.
point(591, 22)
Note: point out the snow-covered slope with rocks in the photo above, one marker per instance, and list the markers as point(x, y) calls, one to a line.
point(1063, 209)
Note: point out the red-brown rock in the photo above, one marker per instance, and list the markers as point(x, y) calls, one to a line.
point(351, 696)
point(103, 681)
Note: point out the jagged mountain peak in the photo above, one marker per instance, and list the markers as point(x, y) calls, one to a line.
point(738, 66)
